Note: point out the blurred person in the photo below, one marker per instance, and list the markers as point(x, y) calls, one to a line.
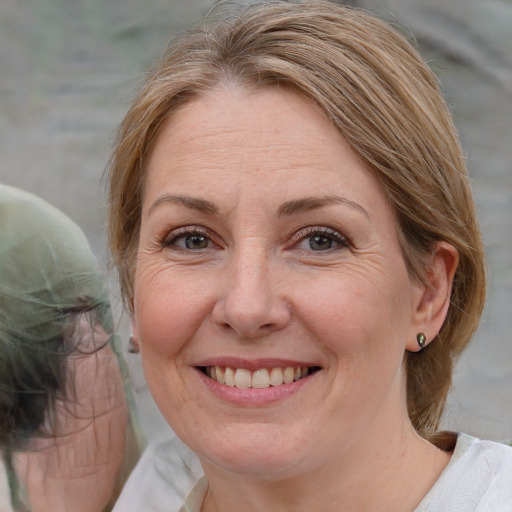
point(66, 437)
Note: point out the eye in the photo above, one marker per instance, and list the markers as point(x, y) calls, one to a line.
point(320, 240)
point(189, 239)
point(194, 241)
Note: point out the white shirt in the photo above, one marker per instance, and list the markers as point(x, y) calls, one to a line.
point(478, 478)
point(161, 480)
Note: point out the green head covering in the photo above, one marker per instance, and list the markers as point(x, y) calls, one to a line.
point(48, 276)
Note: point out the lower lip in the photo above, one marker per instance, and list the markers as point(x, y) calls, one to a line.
point(252, 397)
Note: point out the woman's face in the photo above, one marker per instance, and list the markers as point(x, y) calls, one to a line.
point(272, 302)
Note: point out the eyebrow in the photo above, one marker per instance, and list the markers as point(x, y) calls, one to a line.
point(288, 208)
point(194, 203)
point(312, 203)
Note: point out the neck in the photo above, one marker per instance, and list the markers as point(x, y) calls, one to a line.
point(382, 471)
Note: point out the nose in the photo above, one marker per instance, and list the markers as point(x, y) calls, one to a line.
point(251, 304)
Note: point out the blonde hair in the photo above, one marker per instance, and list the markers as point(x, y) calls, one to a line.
point(384, 100)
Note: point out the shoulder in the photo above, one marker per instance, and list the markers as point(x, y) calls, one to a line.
point(165, 474)
point(484, 460)
point(480, 450)
point(478, 478)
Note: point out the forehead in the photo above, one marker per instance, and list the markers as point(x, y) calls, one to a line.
point(267, 140)
point(237, 116)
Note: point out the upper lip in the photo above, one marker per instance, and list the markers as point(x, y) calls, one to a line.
point(254, 364)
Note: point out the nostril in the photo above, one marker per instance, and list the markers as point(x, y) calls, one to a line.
point(250, 318)
point(264, 327)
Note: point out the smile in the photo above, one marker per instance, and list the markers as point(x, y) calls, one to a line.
point(258, 379)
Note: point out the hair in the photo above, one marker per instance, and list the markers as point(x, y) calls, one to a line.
point(33, 366)
point(383, 99)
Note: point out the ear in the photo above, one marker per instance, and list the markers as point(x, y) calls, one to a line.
point(433, 298)
point(134, 345)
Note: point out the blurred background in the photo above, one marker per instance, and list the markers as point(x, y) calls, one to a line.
point(69, 68)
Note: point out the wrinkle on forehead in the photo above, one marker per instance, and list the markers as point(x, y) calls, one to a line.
point(250, 135)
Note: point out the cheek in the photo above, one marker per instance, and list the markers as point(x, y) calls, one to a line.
point(170, 304)
point(362, 326)
point(358, 317)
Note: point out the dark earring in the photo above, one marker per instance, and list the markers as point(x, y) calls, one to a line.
point(421, 339)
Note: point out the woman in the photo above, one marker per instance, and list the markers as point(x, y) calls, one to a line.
point(297, 244)
point(65, 432)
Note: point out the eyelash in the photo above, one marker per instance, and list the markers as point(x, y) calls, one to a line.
point(329, 233)
point(172, 238)
point(300, 236)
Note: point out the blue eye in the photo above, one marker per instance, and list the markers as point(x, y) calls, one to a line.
point(320, 240)
point(195, 241)
point(188, 239)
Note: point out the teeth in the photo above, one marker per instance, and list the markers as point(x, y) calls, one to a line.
point(276, 377)
point(219, 374)
point(229, 377)
point(242, 378)
point(259, 379)
point(288, 375)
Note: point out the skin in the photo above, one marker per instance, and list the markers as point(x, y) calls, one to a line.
point(237, 171)
point(77, 469)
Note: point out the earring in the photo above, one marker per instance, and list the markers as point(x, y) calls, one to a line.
point(133, 345)
point(421, 339)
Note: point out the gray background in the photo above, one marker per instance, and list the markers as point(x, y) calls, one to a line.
point(68, 69)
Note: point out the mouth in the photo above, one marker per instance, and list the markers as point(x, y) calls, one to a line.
point(258, 379)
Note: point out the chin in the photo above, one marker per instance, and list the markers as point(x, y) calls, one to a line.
point(258, 451)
